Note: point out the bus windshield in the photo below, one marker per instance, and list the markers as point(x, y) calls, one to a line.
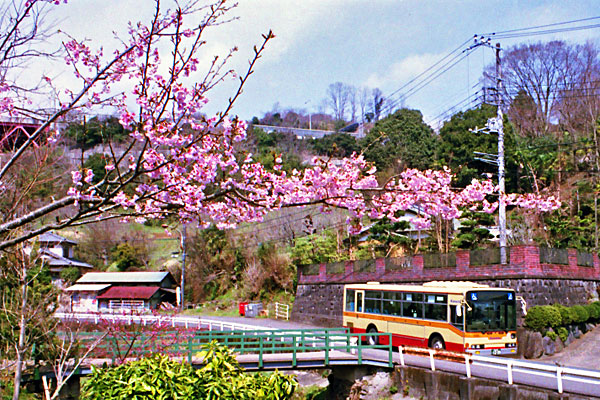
point(491, 311)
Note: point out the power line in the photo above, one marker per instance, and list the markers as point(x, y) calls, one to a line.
point(541, 26)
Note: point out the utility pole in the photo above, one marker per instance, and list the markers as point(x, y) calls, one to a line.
point(497, 125)
point(183, 254)
point(501, 185)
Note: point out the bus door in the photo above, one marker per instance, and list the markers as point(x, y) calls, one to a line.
point(392, 310)
point(360, 295)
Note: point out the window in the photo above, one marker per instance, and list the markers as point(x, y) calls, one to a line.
point(392, 303)
point(436, 307)
point(373, 302)
point(413, 305)
point(350, 300)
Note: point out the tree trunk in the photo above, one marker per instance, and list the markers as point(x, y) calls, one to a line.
point(21, 346)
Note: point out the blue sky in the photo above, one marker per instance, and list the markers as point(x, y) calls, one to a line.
point(366, 43)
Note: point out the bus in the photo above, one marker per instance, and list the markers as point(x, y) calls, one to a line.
point(456, 316)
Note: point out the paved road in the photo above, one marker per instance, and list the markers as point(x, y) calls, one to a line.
point(582, 353)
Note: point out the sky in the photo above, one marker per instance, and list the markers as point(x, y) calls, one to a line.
point(366, 43)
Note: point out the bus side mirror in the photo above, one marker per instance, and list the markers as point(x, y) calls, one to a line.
point(459, 310)
point(523, 304)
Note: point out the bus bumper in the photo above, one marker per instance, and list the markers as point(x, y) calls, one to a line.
point(503, 351)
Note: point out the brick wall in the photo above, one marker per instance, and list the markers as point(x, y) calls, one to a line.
point(319, 296)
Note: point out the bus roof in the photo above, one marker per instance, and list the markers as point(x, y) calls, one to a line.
point(431, 287)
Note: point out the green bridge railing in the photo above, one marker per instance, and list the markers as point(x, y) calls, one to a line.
point(260, 342)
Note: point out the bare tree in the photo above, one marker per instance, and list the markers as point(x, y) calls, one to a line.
point(363, 102)
point(337, 100)
point(549, 83)
point(352, 102)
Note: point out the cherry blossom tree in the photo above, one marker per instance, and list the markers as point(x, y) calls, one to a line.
point(179, 163)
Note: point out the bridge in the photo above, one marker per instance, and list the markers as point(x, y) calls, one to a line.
point(336, 349)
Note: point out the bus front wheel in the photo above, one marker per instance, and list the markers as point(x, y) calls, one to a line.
point(436, 342)
point(372, 340)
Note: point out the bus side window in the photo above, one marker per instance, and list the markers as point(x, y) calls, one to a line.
point(455, 319)
point(359, 302)
point(349, 300)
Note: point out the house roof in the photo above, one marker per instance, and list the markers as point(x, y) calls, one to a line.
point(129, 292)
point(54, 260)
point(87, 288)
point(123, 277)
point(50, 237)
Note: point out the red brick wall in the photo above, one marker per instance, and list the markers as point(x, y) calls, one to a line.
point(524, 262)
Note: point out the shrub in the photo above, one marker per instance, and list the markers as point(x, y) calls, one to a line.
point(582, 314)
point(551, 334)
point(541, 317)
point(70, 274)
point(563, 333)
point(161, 378)
point(567, 314)
point(593, 311)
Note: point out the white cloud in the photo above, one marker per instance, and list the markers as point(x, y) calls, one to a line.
point(399, 73)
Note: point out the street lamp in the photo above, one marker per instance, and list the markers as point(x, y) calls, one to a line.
point(309, 116)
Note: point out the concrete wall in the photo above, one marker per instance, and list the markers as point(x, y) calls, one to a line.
point(574, 278)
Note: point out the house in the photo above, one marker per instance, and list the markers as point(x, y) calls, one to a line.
point(57, 253)
point(119, 291)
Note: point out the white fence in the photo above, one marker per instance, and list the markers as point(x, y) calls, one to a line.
point(553, 377)
point(187, 322)
point(282, 311)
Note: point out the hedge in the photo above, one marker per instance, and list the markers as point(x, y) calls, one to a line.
point(540, 318)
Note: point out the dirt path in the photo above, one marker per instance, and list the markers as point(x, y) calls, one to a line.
point(582, 353)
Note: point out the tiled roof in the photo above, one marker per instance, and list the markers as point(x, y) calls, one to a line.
point(129, 292)
point(54, 260)
point(50, 237)
point(123, 277)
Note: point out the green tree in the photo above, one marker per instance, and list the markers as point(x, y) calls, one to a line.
point(214, 264)
point(458, 144)
point(127, 257)
point(391, 235)
point(95, 131)
point(316, 248)
point(401, 140)
point(473, 232)
point(336, 145)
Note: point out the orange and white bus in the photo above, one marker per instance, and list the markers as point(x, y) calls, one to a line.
point(457, 316)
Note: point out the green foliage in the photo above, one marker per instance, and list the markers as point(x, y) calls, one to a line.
point(563, 333)
point(473, 233)
point(159, 377)
point(401, 140)
point(593, 311)
point(214, 264)
point(94, 132)
point(551, 334)
point(567, 314)
point(316, 248)
point(70, 274)
point(40, 305)
point(336, 145)
point(457, 144)
point(582, 314)
point(393, 389)
point(391, 234)
point(540, 318)
point(126, 257)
